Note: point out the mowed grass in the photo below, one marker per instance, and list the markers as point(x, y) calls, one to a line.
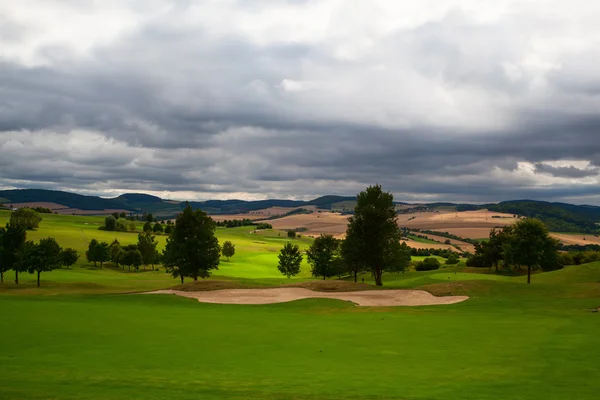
point(510, 340)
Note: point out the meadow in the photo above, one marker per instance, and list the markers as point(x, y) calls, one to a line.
point(80, 337)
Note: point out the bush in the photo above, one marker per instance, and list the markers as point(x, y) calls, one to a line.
point(428, 264)
point(291, 234)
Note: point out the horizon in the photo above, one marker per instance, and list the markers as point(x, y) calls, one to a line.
point(449, 101)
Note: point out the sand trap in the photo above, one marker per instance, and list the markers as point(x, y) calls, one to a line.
point(281, 295)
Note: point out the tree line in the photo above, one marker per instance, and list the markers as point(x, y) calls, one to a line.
point(22, 255)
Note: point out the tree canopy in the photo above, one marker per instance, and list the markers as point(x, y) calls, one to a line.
point(192, 249)
point(228, 249)
point(26, 217)
point(12, 239)
point(290, 260)
point(323, 255)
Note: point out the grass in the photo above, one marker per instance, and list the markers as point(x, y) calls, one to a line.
point(422, 240)
point(74, 338)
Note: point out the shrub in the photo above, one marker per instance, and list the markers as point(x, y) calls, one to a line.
point(291, 234)
point(428, 264)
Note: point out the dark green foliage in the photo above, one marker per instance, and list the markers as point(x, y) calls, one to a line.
point(12, 239)
point(263, 225)
point(110, 223)
point(40, 257)
point(453, 259)
point(323, 255)
point(228, 249)
point(26, 217)
point(158, 228)
point(374, 227)
point(98, 252)
point(68, 257)
point(350, 255)
point(66, 199)
point(530, 245)
point(149, 217)
point(91, 253)
point(234, 223)
point(168, 229)
point(290, 260)
point(428, 264)
point(116, 252)
point(131, 226)
point(192, 249)
point(42, 210)
point(445, 253)
point(132, 258)
point(398, 257)
point(147, 227)
point(147, 248)
point(291, 234)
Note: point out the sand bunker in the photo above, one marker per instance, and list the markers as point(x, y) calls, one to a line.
point(281, 295)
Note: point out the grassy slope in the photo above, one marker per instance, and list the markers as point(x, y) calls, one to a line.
point(509, 340)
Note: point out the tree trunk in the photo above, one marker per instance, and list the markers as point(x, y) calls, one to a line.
point(1, 276)
point(323, 277)
point(195, 278)
point(355, 275)
point(101, 262)
point(378, 278)
point(95, 264)
point(16, 277)
point(496, 264)
point(528, 274)
point(181, 276)
point(38, 280)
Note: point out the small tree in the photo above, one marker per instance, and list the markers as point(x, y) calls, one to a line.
point(115, 252)
point(147, 247)
point(42, 257)
point(157, 228)
point(131, 226)
point(322, 255)
point(149, 217)
point(110, 223)
point(228, 249)
point(351, 256)
point(452, 259)
point(68, 257)
point(26, 217)
point(102, 253)
point(428, 264)
point(147, 227)
point(290, 260)
point(132, 258)
point(168, 229)
point(291, 234)
point(12, 239)
point(92, 251)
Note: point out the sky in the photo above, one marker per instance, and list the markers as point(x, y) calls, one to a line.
point(436, 100)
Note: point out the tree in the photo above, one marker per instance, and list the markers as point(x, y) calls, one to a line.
point(131, 226)
point(149, 217)
point(68, 257)
point(147, 247)
point(291, 234)
point(147, 227)
point(123, 215)
point(428, 264)
point(290, 260)
point(322, 254)
point(26, 217)
point(452, 259)
point(41, 257)
point(102, 253)
point(397, 258)
point(351, 256)
point(157, 228)
point(374, 227)
point(228, 249)
point(12, 239)
point(192, 248)
point(116, 251)
point(531, 246)
point(168, 229)
point(92, 252)
point(132, 258)
point(110, 223)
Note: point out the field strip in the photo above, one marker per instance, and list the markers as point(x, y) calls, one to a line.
point(368, 298)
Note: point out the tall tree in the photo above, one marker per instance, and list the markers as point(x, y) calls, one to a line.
point(157, 228)
point(12, 239)
point(116, 252)
point(531, 246)
point(102, 253)
point(110, 223)
point(228, 249)
point(41, 257)
point(322, 255)
point(147, 227)
point(26, 217)
point(192, 249)
point(375, 230)
point(132, 257)
point(290, 260)
point(147, 247)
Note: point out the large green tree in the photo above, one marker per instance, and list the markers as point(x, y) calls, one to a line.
point(350, 254)
point(323, 256)
point(192, 249)
point(116, 252)
point(530, 245)
point(376, 235)
point(26, 217)
point(290, 260)
point(68, 257)
point(12, 239)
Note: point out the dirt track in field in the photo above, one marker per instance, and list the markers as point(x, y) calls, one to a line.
point(370, 298)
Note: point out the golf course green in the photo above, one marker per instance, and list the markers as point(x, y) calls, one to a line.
point(84, 335)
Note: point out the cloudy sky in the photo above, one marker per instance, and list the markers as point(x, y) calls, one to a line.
point(470, 100)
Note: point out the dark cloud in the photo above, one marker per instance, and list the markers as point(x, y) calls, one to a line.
point(448, 108)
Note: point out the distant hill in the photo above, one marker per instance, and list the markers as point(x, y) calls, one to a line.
point(559, 217)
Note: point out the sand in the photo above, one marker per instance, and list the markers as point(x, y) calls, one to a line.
point(371, 298)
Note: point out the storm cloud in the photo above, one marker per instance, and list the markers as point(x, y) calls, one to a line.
point(445, 100)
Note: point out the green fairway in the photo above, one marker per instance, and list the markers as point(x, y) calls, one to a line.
point(78, 337)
